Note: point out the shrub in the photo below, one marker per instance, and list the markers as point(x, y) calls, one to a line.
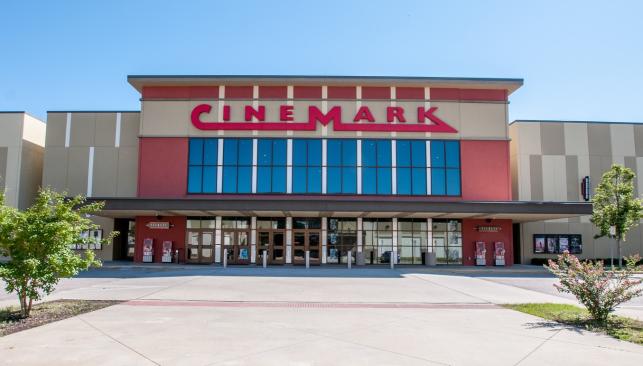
point(599, 290)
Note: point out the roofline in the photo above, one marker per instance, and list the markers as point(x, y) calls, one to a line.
point(565, 121)
point(22, 112)
point(97, 111)
point(137, 81)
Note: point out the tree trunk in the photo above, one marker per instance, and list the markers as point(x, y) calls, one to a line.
point(618, 252)
point(29, 306)
point(612, 257)
point(23, 303)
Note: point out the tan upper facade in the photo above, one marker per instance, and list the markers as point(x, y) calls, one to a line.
point(21, 154)
point(92, 153)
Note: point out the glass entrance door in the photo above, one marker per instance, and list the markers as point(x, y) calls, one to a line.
point(274, 243)
point(237, 244)
point(308, 240)
point(200, 247)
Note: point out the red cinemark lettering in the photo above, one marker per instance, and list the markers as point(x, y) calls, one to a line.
point(334, 114)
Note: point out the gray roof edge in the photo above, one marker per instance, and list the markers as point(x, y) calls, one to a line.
point(571, 121)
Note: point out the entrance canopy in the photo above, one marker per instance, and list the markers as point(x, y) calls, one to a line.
point(338, 206)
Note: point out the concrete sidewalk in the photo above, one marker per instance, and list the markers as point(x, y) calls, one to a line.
point(320, 316)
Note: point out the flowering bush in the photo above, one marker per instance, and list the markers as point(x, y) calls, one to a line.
point(599, 290)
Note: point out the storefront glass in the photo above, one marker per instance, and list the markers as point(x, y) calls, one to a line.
point(412, 237)
point(447, 241)
point(341, 238)
point(377, 240)
point(342, 166)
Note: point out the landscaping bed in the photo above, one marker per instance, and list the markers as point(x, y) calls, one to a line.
point(47, 312)
point(619, 327)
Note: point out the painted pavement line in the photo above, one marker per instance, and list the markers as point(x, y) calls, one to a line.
point(310, 305)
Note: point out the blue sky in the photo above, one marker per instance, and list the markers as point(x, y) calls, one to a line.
point(581, 60)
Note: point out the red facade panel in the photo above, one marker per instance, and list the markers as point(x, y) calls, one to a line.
point(485, 170)
point(162, 166)
point(275, 92)
point(468, 94)
point(409, 93)
point(181, 92)
point(175, 234)
point(238, 92)
point(307, 92)
point(376, 92)
point(342, 92)
point(471, 234)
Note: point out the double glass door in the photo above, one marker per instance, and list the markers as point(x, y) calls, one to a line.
point(237, 244)
point(306, 240)
point(274, 243)
point(200, 246)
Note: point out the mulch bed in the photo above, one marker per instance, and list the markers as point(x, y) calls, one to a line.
point(47, 312)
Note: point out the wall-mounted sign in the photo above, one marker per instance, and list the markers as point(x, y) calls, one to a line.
point(397, 119)
point(163, 225)
point(585, 187)
point(488, 229)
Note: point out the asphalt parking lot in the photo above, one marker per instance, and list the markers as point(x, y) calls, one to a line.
point(320, 316)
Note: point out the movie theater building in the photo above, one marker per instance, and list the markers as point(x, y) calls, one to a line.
point(233, 169)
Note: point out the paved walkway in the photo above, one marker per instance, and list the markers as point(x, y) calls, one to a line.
point(321, 316)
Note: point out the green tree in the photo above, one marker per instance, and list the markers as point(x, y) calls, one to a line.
point(615, 207)
point(38, 242)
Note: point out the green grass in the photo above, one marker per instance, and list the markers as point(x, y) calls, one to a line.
point(11, 321)
point(619, 327)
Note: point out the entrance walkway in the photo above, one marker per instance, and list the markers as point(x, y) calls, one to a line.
point(320, 316)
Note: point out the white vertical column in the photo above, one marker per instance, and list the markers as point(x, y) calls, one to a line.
point(358, 102)
point(219, 165)
point(360, 241)
point(393, 94)
point(324, 236)
point(68, 130)
point(359, 166)
point(220, 104)
point(255, 105)
point(394, 239)
point(217, 239)
point(427, 104)
point(254, 165)
point(289, 166)
point(324, 160)
point(429, 235)
point(324, 129)
point(253, 239)
point(288, 240)
point(393, 166)
point(290, 94)
point(428, 168)
point(117, 133)
point(90, 172)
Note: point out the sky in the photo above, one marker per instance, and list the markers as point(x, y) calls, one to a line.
point(580, 60)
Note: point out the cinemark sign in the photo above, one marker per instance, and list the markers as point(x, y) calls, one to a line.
point(255, 119)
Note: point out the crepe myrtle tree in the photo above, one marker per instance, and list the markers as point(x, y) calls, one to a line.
point(615, 209)
point(37, 243)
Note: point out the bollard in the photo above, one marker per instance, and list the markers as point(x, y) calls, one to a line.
point(225, 258)
point(307, 259)
point(350, 259)
point(265, 258)
point(393, 259)
point(176, 255)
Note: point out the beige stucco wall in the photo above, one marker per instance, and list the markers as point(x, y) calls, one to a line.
point(22, 142)
point(549, 159)
point(74, 139)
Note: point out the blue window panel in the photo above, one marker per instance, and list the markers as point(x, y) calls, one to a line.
point(453, 182)
point(383, 180)
point(230, 152)
point(384, 153)
point(210, 179)
point(369, 153)
point(334, 180)
point(419, 181)
point(279, 151)
point(314, 152)
point(196, 152)
point(194, 179)
point(245, 152)
point(229, 179)
point(210, 152)
point(349, 152)
point(264, 152)
point(314, 180)
point(244, 179)
point(418, 153)
point(349, 180)
point(334, 152)
point(299, 152)
point(438, 187)
point(452, 149)
point(369, 180)
point(437, 154)
point(403, 180)
point(403, 153)
point(264, 179)
point(299, 180)
point(279, 179)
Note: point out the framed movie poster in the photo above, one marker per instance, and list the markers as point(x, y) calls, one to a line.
point(552, 244)
point(575, 244)
point(563, 243)
point(539, 244)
